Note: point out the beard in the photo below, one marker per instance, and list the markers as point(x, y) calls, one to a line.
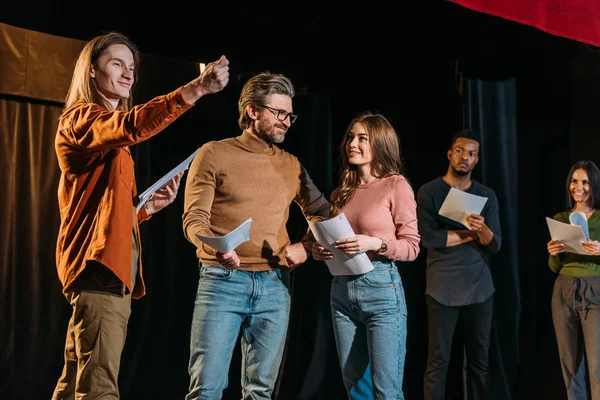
point(459, 172)
point(269, 134)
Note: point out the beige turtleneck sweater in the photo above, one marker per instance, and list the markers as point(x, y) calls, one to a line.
point(238, 178)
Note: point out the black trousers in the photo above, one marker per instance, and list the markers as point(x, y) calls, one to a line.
point(476, 321)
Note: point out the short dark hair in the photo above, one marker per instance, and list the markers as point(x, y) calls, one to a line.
point(593, 175)
point(464, 134)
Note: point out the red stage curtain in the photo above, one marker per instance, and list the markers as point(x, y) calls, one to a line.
point(574, 19)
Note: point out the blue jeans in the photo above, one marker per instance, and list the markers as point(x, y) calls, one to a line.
point(369, 323)
point(227, 300)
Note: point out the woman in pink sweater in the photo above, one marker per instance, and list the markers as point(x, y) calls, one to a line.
point(369, 310)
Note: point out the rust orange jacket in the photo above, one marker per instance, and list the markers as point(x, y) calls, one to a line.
point(97, 187)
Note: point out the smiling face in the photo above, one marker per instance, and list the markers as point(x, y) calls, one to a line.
point(463, 156)
point(113, 73)
point(358, 146)
point(268, 127)
point(580, 187)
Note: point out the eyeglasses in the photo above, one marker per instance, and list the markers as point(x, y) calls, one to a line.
point(281, 115)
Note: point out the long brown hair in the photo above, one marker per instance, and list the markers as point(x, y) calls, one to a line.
point(82, 89)
point(385, 147)
point(593, 174)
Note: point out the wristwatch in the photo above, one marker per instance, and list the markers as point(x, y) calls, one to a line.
point(308, 245)
point(383, 247)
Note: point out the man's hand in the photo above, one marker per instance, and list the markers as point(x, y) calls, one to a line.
point(164, 196)
point(229, 260)
point(296, 255)
point(477, 224)
point(212, 80)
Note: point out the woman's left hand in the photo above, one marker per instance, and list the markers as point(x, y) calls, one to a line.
point(592, 247)
point(358, 244)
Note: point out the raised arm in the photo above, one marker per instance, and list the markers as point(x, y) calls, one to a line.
point(93, 128)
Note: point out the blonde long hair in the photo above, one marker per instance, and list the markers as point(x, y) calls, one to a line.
point(83, 89)
point(385, 147)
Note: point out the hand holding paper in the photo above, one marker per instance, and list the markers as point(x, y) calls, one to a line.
point(569, 235)
point(459, 204)
point(229, 242)
point(555, 247)
point(591, 247)
point(164, 196)
point(327, 233)
point(228, 260)
point(162, 182)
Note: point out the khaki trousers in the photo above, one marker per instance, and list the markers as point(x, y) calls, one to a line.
point(95, 337)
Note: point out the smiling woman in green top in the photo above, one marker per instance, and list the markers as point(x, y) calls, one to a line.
point(576, 295)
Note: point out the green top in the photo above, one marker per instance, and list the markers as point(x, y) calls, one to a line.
point(577, 265)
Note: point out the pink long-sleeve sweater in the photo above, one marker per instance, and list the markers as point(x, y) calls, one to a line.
point(386, 208)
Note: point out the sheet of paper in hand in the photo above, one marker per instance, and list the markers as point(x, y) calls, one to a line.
point(458, 204)
point(147, 194)
point(569, 235)
point(326, 233)
point(230, 241)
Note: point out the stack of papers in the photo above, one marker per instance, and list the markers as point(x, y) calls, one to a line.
point(569, 235)
point(327, 233)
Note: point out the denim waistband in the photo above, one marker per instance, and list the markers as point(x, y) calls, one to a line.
point(380, 264)
point(269, 271)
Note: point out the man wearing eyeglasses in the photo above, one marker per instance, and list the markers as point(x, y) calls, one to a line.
point(228, 182)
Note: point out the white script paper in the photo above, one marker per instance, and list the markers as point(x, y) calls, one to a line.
point(458, 204)
point(230, 241)
point(569, 235)
point(145, 196)
point(326, 233)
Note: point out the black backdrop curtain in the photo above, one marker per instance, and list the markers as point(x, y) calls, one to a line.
point(555, 123)
point(491, 112)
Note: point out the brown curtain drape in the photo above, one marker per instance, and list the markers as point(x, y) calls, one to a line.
point(29, 329)
point(35, 71)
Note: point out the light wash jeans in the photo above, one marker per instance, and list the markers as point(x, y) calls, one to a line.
point(227, 300)
point(369, 323)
